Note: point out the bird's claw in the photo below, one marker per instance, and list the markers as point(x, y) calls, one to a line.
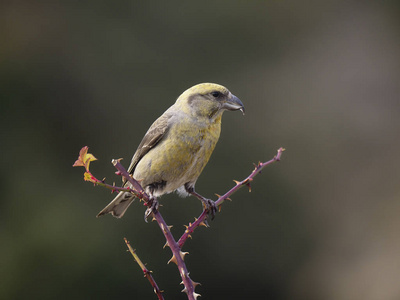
point(152, 208)
point(210, 207)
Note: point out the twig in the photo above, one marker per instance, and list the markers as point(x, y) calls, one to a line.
point(177, 254)
point(135, 185)
point(113, 188)
point(146, 272)
point(177, 258)
point(201, 219)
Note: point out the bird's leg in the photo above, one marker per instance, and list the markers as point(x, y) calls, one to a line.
point(152, 207)
point(208, 204)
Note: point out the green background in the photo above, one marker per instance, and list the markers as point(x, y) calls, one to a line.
point(320, 78)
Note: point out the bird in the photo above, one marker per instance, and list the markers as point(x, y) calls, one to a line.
point(177, 147)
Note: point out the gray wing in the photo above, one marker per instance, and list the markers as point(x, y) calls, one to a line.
point(155, 133)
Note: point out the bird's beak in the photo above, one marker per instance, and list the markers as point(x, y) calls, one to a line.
point(233, 103)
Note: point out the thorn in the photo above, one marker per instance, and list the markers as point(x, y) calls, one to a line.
point(118, 173)
point(195, 283)
point(219, 196)
point(247, 180)
point(104, 179)
point(204, 223)
point(173, 259)
point(153, 219)
point(219, 208)
point(196, 295)
point(249, 186)
point(166, 245)
point(189, 236)
point(228, 199)
point(184, 290)
point(186, 226)
point(183, 254)
point(169, 227)
point(237, 182)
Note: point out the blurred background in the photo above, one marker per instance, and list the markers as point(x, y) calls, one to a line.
point(321, 79)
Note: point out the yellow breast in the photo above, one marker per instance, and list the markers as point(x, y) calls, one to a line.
point(182, 154)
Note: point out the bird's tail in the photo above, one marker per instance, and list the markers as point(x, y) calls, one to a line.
point(119, 205)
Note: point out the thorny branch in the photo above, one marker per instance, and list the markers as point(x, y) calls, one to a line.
point(177, 255)
point(146, 272)
point(201, 220)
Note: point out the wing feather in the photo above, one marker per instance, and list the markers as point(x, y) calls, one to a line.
point(152, 137)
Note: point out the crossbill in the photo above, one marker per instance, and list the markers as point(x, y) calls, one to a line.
point(178, 145)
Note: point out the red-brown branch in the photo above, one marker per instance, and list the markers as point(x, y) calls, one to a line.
point(146, 272)
point(177, 254)
point(201, 219)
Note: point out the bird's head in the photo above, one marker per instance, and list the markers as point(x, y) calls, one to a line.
point(209, 99)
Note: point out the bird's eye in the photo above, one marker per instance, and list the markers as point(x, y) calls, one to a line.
point(216, 94)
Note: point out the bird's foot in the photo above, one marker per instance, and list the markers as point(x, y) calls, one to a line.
point(210, 206)
point(152, 207)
